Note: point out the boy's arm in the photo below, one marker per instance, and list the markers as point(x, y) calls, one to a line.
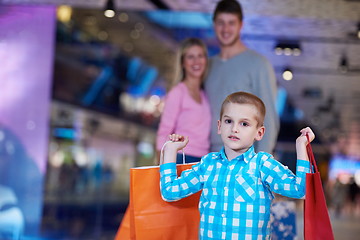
point(302, 141)
point(174, 188)
point(283, 181)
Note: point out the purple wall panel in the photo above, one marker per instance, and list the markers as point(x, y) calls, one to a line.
point(26, 54)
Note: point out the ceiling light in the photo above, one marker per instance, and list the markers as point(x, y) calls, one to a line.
point(297, 52)
point(103, 35)
point(288, 48)
point(278, 51)
point(109, 9)
point(287, 74)
point(343, 66)
point(139, 26)
point(134, 34)
point(287, 51)
point(64, 13)
point(123, 17)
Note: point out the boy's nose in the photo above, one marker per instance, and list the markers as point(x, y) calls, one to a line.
point(235, 129)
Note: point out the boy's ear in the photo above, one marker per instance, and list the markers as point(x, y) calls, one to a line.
point(260, 133)
point(218, 126)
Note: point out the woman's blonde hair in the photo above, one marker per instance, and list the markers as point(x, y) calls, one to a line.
point(184, 46)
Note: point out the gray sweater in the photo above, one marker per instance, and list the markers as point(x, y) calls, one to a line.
point(249, 72)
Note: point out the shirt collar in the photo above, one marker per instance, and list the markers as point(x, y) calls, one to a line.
point(246, 156)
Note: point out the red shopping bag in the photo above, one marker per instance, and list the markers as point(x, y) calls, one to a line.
point(149, 217)
point(317, 225)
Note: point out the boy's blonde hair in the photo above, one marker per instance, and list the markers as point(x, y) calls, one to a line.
point(246, 98)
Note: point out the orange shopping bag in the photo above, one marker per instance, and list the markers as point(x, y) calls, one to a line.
point(149, 217)
point(124, 228)
point(317, 225)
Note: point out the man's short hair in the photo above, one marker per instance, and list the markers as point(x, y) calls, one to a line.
point(246, 98)
point(228, 6)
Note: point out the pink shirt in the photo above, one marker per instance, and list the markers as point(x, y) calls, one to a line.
point(183, 115)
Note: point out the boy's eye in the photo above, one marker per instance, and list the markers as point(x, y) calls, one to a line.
point(227, 121)
point(244, 124)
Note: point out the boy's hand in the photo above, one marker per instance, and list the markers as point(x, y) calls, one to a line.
point(303, 139)
point(178, 142)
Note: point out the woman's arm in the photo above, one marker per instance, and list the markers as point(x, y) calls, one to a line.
point(169, 116)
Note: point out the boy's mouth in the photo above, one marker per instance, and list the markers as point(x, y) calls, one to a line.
point(233, 138)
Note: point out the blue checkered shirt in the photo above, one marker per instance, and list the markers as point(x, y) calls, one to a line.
point(237, 194)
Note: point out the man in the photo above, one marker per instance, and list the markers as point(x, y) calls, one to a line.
point(237, 68)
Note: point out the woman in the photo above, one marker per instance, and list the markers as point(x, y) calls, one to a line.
point(186, 109)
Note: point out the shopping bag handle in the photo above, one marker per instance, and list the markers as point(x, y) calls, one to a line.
point(162, 153)
point(311, 156)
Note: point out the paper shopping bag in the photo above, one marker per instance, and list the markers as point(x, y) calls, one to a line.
point(124, 231)
point(149, 217)
point(317, 225)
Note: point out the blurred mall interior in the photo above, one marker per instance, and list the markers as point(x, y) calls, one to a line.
point(81, 96)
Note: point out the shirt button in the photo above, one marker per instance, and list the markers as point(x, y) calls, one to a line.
point(226, 188)
point(223, 215)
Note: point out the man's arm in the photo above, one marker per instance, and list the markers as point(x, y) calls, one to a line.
point(267, 91)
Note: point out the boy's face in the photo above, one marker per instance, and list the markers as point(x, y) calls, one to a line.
point(227, 27)
point(239, 128)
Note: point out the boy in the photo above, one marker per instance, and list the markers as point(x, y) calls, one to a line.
point(236, 183)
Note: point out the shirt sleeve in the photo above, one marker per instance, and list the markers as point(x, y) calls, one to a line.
point(282, 180)
point(174, 188)
point(169, 116)
point(266, 89)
